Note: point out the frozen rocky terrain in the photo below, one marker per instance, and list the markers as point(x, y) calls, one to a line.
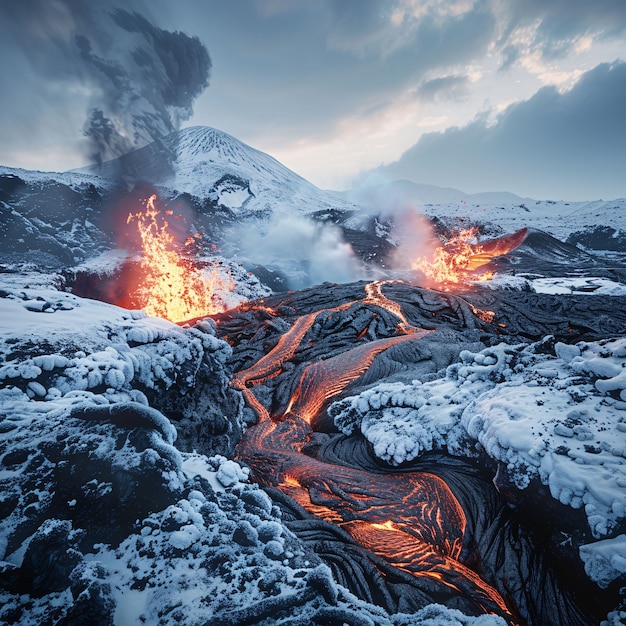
point(124, 498)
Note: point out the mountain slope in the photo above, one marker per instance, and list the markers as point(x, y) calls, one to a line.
point(406, 192)
point(257, 211)
point(51, 219)
point(209, 163)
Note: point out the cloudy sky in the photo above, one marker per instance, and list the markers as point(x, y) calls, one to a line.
point(527, 96)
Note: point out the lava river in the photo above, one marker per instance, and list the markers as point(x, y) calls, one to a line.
point(411, 519)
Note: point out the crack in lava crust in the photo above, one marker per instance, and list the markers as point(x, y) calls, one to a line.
point(411, 519)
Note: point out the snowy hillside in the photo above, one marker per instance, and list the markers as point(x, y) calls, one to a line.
point(599, 225)
point(208, 163)
point(594, 224)
point(61, 220)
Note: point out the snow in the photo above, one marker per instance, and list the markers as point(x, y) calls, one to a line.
point(578, 285)
point(560, 218)
point(215, 549)
point(210, 163)
point(105, 263)
point(558, 418)
point(605, 560)
point(563, 285)
point(73, 179)
point(230, 473)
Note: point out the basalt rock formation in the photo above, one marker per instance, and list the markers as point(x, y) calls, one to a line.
point(435, 530)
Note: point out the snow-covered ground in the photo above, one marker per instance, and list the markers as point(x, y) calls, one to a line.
point(579, 285)
point(111, 522)
point(72, 179)
point(559, 218)
point(559, 419)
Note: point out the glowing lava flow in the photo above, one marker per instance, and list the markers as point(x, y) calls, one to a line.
point(411, 519)
point(460, 255)
point(271, 363)
point(172, 287)
point(375, 296)
point(322, 380)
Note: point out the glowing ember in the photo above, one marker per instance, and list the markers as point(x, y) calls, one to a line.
point(461, 254)
point(172, 287)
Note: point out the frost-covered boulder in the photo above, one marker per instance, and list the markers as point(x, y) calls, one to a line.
point(71, 346)
point(402, 421)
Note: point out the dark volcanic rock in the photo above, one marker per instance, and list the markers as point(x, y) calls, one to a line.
point(506, 552)
point(599, 238)
point(88, 478)
point(49, 223)
point(50, 558)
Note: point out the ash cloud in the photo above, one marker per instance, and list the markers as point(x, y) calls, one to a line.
point(141, 80)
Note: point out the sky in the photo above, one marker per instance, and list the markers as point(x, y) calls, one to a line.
point(526, 96)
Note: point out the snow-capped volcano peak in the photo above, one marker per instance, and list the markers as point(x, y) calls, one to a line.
point(209, 163)
point(202, 144)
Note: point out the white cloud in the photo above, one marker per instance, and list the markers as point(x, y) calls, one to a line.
point(555, 144)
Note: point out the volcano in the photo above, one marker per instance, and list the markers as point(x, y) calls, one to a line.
point(386, 449)
point(208, 163)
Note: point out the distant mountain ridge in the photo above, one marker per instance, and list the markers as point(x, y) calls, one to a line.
point(59, 219)
point(404, 192)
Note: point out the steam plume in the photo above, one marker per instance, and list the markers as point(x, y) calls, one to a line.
point(309, 252)
point(412, 233)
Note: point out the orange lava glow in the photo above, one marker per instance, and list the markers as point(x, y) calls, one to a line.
point(325, 379)
point(171, 286)
point(375, 296)
point(412, 519)
point(460, 255)
point(270, 365)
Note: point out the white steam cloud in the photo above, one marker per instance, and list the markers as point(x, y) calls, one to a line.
point(412, 233)
point(415, 238)
point(307, 252)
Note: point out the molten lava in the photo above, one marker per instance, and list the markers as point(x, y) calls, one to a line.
point(325, 379)
point(461, 254)
point(171, 285)
point(411, 519)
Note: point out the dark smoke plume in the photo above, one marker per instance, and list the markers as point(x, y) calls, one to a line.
point(147, 90)
point(143, 80)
